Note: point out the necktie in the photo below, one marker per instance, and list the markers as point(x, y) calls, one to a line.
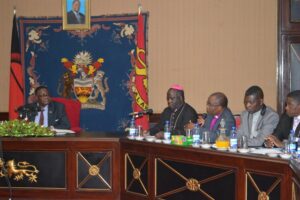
point(42, 118)
point(78, 18)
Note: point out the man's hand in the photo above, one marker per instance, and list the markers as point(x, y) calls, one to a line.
point(201, 121)
point(146, 133)
point(272, 141)
point(189, 125)
point(159, 135)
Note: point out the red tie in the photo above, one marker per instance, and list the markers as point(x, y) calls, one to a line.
point(41, 118)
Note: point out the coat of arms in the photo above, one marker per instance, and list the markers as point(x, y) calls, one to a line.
point(85, 80)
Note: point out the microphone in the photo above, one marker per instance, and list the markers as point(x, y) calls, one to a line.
point(28, 109)
point(203, 115)
point(141, 113)
point(25, 111)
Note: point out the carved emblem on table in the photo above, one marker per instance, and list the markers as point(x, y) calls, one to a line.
point(263, 196)
point(134, 171)
point(94, 170)
point(18, 171)
point(193, 185)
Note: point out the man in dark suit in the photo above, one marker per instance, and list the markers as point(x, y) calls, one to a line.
point(74, 16)
point(178, 113)
point(217, 109)
point(45, 112)
point(289, 120)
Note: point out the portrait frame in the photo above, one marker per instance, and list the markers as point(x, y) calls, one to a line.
point(84, 11)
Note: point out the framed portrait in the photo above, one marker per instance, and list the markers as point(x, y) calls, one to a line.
point(76, 14)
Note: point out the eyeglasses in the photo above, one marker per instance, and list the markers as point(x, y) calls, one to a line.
point(212, 105)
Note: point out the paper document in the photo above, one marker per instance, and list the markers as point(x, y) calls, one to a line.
point(265, 151)
point(62, 131)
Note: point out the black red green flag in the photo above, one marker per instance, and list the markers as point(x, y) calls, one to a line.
point(16, 83)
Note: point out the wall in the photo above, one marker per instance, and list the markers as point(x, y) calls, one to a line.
point(205, 45)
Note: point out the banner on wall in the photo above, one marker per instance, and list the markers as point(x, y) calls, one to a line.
point(139, 78)
point(96, 67)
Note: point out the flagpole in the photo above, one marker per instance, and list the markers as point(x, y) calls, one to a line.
point(15, 10)
point(139, 9)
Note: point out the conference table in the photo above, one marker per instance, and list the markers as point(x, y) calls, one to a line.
point(103, 165)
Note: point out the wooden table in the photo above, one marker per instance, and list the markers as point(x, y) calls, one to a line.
point(82, 166)
point(104, 166)
point(160, 171)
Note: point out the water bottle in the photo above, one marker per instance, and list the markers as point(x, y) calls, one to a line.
point(298, 148)
point(292, 142)
point(233, 139)
point(132, 128)
point(167, 131)
point(196, 135)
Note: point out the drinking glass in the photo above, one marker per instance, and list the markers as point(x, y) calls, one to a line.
point(188, 133)
point(243, 142)
point(205, 137)
point(286, 148)
point(139, 132)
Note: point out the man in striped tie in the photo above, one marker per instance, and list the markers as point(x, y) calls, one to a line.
point(45, 112)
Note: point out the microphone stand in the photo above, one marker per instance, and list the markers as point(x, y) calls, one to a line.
point(5, 172)
point(138, 115)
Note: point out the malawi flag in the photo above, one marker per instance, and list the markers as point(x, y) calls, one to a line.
point(16, 83)
point(141, 79)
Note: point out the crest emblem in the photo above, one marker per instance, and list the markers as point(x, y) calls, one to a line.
point(85, 80)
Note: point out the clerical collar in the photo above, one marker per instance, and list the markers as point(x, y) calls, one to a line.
point(217, 116)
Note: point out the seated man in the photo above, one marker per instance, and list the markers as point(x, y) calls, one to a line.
point(216, 109)
point(178, 113)
point(289, 120)
point(45, 112)
point(258, 120)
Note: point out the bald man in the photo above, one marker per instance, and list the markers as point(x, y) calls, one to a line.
point(217, 109)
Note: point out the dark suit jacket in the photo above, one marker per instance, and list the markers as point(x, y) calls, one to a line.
point(284, 127)
point(71, 18)
point(57, 116)
point(229, 123)
point(188, 114)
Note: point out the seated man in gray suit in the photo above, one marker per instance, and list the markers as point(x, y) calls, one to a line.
point(45, 112)
point(258, 120)
point(217, 110)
